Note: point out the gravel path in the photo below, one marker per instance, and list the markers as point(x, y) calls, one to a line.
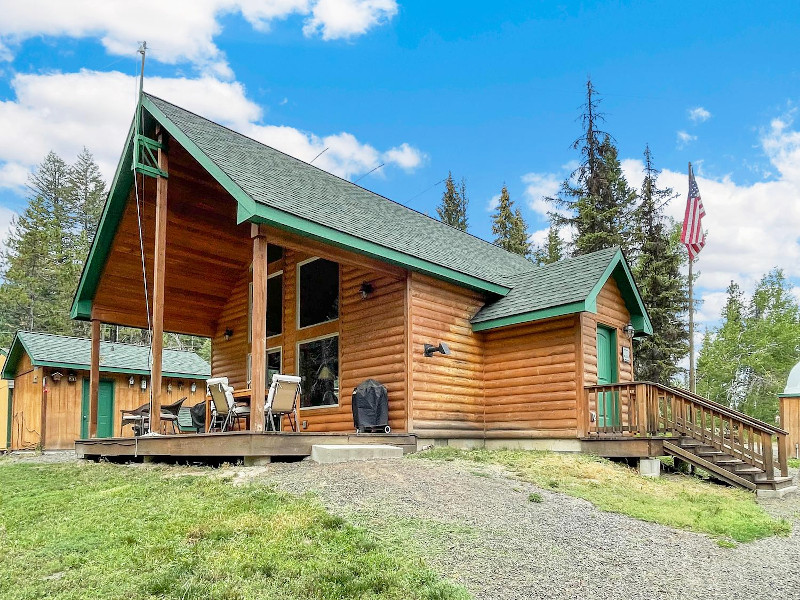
point(489, 537)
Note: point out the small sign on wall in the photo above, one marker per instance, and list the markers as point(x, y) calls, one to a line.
point(626, 354)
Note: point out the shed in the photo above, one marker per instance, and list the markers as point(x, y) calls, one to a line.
point(48, 401)
point(790, 410)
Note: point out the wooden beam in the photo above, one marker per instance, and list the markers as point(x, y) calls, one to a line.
point(94, 378)
point(258, 350)
point(159, 264)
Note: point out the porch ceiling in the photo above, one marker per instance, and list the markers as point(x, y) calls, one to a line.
point(206, 252)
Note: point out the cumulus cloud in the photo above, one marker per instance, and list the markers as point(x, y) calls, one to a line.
point(699, 114)
point(539, 186)
point(65, 111)
point(181, 31)
point(685, 138)
point(493, 203)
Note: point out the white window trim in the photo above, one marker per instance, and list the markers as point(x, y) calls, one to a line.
point(297, 299)
point(338, 360)
point(249, 365)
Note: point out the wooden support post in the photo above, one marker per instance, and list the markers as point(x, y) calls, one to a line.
point(159, 267)
point(641, 409)
point(783, 454)
point(582, 395)
point(94, 378)
point(43, 425)
point(767, 453)
point(258, 350)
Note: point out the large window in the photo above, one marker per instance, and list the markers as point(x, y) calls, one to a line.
point(274, 365)
point(274, 306)
point(318, 294)
point(318, 366)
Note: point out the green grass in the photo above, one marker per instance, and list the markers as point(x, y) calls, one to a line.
point(102, 531)
point(677, 501)
point(794, 463)
point(535, 497)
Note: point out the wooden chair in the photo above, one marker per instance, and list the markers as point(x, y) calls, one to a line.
point(283, 399)
point(224, 410)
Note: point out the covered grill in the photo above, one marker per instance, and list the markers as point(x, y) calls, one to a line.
point(371, 407)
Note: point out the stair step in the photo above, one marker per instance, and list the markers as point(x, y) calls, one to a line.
point(688, 442)
point(728, 461)
point(709, 453)
point(777, 483)
point(748, 469)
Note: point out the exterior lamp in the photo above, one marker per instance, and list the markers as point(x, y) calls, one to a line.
point(228, 334)
point(429, 349)
point(629, 331)
point(194, 387)
point(366, 289)
point(169, 387)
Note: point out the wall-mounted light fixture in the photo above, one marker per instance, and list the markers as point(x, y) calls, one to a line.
point(228, 334)
point(366, 289)
point(194, 387)
point(629, 331)
point(56, 375)
point(144, 383)
point(72, 377)
point(131, 381)
point(429, 349)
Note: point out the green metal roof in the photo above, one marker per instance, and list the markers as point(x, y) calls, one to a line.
point(60, 351)
point(274, 188)
point(565, 287)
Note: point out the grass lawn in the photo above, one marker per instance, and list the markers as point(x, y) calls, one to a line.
point(794, 463)
point(111, 531)
point(678, 501)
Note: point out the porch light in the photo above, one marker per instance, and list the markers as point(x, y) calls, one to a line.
point(56, 375)
point(228, 334)
point(629, 331)
point(366, 289)
point(144, 383)
point(429, 349)
point(131, 381)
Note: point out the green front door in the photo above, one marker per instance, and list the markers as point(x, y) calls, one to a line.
point(607, 402)
point(105, 409)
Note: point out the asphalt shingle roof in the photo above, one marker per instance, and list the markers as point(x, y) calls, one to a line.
point(563, 282)
point(282, 182)
point(46, 348)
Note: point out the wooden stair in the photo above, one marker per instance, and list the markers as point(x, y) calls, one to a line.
point(732, 446)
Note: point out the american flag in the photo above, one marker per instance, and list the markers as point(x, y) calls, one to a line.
point(692, 234)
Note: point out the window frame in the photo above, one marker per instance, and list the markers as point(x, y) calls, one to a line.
point(338, 365)
point(249, 365)
point(250, 306)
point(298, 298)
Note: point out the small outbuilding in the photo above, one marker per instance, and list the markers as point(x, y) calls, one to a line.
point(48, 376)
point(790, 410)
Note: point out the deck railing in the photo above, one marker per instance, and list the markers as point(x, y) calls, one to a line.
point(643, 408)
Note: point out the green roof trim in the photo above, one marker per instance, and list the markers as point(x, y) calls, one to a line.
point(64, 352)
point(565, 287)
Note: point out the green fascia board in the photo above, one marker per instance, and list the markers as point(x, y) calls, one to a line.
point(15, 352)
point(124, 371)
point(255, 212)
point(618, 268)
point(795, 395)
point(106, 230)
point(536, 315)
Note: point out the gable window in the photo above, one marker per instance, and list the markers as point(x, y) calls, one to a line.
point(318, 367)
point(274, 306)
point(318, 292)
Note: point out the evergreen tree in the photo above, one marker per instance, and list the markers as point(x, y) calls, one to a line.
point(509, 227)
point(596, 197)
point(453, 208)
point(664, 291)
point(552, 250)
point(85, 197)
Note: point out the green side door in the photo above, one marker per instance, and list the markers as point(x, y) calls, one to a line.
point(607, 402)
point(105, 409)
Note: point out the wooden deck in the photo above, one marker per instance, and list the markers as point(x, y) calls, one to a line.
point(229, 445)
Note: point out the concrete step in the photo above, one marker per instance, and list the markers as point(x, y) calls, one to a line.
point(336, 453)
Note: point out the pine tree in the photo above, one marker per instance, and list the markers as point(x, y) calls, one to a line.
point(657, 270)
point(453, 208)
point(85, 195)
point(552, 250)
point(509, 227)
point(596, 197)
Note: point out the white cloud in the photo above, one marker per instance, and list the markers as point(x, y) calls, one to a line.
point(685, 138)
point(493, 203)
point(179, 31)
point(65, 111)
point(539, 186)
point(699, 114)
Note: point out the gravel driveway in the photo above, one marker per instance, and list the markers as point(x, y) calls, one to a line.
point(476, 526)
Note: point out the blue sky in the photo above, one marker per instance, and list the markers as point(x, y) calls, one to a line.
point(491, 92)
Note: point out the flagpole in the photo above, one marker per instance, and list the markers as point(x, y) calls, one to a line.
point(691, 328)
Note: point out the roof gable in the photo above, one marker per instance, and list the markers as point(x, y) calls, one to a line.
point(274, 188)
point(49, 350)
point(566, 287)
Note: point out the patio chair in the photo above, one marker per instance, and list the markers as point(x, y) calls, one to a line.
point(169, 414)
point(283, 398)
point(136, 418)
point(224, 410)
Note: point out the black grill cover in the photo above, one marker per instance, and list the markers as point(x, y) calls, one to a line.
point(198, 412)
point(370, 405)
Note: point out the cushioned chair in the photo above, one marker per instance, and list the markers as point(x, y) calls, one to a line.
point(224, 410)
point(283, 399)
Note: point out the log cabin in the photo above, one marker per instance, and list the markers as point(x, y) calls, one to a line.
point(49, 387)
point(291, 269)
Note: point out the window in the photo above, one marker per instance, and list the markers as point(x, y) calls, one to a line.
point(274, 306)
point(274, 365)
point(318, 292)
point(318, 367)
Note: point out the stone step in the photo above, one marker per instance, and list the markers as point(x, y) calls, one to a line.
point(336, 453)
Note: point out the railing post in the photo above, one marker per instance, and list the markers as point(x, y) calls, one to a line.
point(783, 449)
point(641, 408)
point(767, 454)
